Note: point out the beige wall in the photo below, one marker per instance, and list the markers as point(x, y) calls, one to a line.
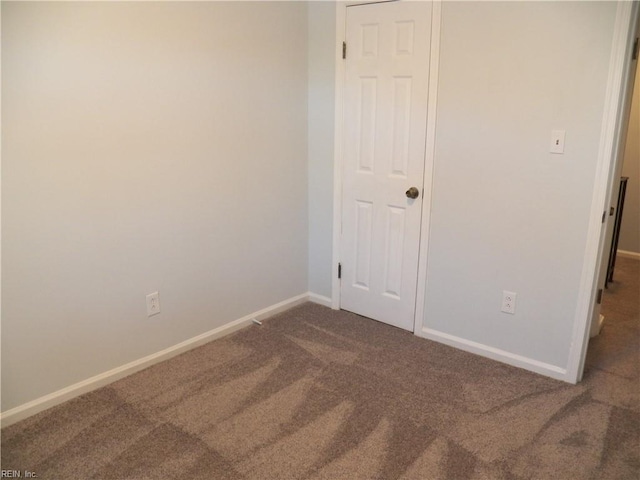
point(630, 228)
point(145, 146)
point(321, 68)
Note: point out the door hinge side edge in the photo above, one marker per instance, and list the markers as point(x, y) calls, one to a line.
point(344, 50)
point(339, 270)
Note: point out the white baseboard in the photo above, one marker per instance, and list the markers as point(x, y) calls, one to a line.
point(320, 299)
point(496, 354)
point(627, 254)
point(31, 408)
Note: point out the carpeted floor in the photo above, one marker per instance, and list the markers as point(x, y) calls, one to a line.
point(319, 394)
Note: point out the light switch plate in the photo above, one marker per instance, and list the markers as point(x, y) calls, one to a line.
point(557, 141)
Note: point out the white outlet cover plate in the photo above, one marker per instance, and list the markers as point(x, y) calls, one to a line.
point(153, 304)
point(509, 302)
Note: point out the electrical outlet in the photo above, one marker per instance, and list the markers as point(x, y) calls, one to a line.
point(153, 304)
point(508, 302)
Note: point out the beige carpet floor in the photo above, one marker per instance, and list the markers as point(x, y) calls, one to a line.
point(319, 394)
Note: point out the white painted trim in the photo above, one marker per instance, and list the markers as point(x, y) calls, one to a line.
point(320, 299)
point(615, 97)
point(429, 165)
point(338, 139)
point(35, 406)
point(526, 363)
point(627, 254)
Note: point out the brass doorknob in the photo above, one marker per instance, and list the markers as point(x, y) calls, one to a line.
point(413, 192)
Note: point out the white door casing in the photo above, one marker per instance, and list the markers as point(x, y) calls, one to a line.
point(614, 187)
point(385, 115)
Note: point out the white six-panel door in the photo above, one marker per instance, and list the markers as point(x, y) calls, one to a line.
point(386, 86)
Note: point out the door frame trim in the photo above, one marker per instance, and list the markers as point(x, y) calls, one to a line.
point(338, 139)
point(338, 162)
point(429, 162)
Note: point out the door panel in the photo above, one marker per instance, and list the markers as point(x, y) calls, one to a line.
point(386, 90)
point(364, 224)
